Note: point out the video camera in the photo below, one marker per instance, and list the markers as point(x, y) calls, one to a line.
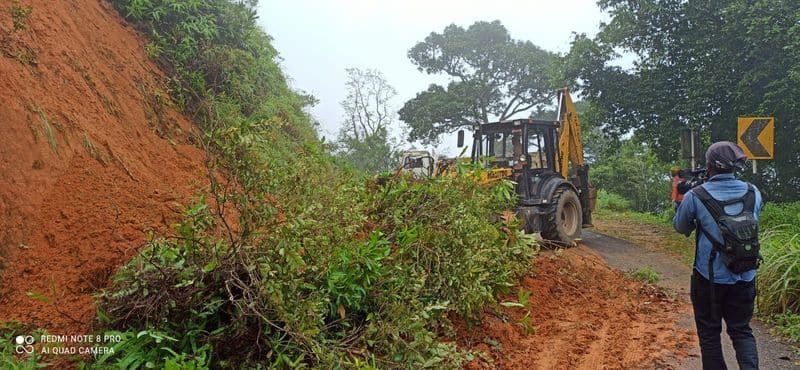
point(691, 178)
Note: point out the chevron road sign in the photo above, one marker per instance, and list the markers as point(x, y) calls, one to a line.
point(757, 137)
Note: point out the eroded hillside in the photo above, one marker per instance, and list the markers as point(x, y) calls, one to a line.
point(92, 155)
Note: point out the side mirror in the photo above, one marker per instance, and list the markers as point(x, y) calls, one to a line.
point(460, 138)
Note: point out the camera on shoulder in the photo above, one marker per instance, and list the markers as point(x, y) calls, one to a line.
point(691, 178)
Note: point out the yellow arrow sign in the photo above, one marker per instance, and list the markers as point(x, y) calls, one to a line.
point(757, 137)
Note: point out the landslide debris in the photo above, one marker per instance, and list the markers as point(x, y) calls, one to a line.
point(92, 156)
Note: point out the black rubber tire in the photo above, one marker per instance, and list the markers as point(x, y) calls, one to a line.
point(564, 223)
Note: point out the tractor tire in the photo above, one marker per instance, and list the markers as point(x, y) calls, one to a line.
point(563, 224)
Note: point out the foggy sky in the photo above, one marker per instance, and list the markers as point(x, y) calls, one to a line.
point(319, 39)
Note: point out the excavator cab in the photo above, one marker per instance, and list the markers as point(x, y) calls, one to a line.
point(553, 198)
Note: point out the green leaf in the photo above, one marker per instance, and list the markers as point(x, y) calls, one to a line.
point(38, 297)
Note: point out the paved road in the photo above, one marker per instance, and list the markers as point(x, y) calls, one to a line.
point(626, 256)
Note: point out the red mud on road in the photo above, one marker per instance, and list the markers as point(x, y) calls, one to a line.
point(581, 315)
point(91, 156)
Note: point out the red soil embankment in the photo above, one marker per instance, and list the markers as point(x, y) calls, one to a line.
point(581, 314)
point(91, 156)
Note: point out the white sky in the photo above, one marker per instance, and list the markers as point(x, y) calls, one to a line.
point(319, 39)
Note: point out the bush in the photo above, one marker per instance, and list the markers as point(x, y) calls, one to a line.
point(646, 275)
point(362, 276)
point(780, 214)
point(779, 275)
point(634, 173)
point(612, 202)
point(788, 325)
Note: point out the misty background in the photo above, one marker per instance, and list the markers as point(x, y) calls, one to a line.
point(334, 35)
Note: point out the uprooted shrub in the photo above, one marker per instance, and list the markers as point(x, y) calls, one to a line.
point(335, 275)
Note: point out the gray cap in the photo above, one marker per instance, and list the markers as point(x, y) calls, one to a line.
point(725, 155)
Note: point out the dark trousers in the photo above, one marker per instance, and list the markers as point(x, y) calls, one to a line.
point(734, 304)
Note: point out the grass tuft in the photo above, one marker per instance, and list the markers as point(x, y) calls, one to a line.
point(646, 275)
point(93, 150)
point(20, 16)
point(48, 130)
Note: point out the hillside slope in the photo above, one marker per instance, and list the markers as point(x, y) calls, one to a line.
point(92, 155)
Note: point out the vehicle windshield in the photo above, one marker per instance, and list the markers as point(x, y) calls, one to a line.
point(503, 148)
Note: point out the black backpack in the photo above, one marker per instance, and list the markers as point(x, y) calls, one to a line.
point(739, 249)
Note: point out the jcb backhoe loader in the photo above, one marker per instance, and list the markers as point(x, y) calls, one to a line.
point(545, 160)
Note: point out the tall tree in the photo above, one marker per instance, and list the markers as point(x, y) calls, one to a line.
point(701, 64)
point(364, 136)
point(492, 76)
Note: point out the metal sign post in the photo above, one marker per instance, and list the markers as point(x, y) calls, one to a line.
point(690, 146)
point(694, 153)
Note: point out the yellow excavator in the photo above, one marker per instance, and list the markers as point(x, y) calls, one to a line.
point(545, 160)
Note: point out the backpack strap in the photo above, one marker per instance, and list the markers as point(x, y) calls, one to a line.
point(716, 210)
point(713, 206)
point(749, 199)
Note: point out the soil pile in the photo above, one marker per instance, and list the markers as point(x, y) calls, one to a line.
point(579, 314)
point(93, 155)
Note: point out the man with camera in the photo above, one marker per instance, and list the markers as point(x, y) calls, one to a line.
point(724, 211)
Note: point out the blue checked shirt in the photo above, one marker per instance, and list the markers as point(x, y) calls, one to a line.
point(722, 187)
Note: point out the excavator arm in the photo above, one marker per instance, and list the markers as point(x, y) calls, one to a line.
point(570, 151)
point(570, 146)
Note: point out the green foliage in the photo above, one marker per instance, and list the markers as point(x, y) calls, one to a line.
point(493, 76)
point(635, 173)
point(732, 58)
point(215, 49)
point(788, 325)
point(612, 202)
point(9, 358)
point(779, 275)
point(525, 323)
point(364, 137)
point(784, 215)
point(20, 16)
point(645, 274)
point(355, 272)
point(387, 293)
point(371, 153)
point(151, 349)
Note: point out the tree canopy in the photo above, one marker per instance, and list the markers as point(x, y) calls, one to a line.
point(700, 64)
point(364, 136)
point(492, 76)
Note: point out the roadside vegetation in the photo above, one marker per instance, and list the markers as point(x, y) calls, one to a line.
point(645, 274)
point(779, 275)
point(292, 258)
